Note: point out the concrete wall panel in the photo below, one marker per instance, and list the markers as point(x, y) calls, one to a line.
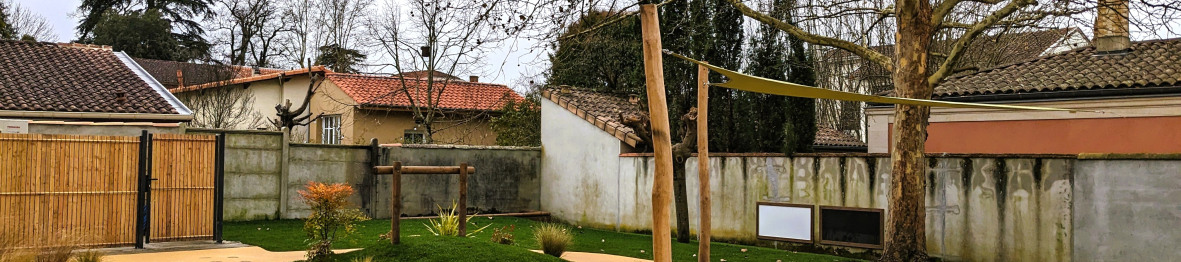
point(1126, 210)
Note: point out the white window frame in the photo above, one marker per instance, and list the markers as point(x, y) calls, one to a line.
point(330, 129)
point(421, 136)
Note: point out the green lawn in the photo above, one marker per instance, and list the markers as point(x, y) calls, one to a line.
point(287, 235)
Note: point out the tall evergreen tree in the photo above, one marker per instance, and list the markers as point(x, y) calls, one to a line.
point(607, 59)
point(723, 48)
point(6, 30)
point(781, 123)
point(143, 34)
point(800, 129)
point(340, 59)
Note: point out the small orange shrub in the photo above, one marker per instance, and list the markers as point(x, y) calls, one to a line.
point(331, 214)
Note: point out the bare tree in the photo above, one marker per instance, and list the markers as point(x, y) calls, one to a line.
point(27, 24)
point(440, 37)
point(298, 19)
point(223, 108)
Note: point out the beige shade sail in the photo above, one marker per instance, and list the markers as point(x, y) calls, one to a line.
point(775, 87)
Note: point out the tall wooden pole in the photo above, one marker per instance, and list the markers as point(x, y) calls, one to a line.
point(462, 200)
point(662, 187)
point(703, 163)
point(396, 204)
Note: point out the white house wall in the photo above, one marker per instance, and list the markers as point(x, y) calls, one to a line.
point(579, 168)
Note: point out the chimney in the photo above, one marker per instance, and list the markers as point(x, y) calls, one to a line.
point(180, 79)
point(633, 98)
point(473, 79)
point(1111, 27)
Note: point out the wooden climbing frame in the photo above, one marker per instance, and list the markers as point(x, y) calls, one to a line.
point(397, 170)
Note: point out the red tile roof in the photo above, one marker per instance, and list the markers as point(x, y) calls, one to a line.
point(38, 76)
point(422, 74)
point(385, 91)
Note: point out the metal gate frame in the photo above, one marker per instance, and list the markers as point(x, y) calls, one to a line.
point(143, 203)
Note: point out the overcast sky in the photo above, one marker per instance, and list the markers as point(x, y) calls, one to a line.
point(510, 64)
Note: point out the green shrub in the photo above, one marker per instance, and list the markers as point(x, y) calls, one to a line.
point(553, 238)
point(331, 215)
point(504, 235)
point(448, 223)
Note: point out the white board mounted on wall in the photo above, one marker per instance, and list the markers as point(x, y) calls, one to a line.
point(785, 222)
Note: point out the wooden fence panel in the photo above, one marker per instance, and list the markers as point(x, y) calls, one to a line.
point(57, 188)
point(182, 197)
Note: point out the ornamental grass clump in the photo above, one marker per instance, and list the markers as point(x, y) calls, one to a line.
point(332, 217)
point(448, 223)
point(553, 238)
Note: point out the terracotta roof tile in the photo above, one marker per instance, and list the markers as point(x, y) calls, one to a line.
point(984, 52)
point(1154, 63)
point(73, 78)
point(827, 136)
point(604, 110)
point(370, 90)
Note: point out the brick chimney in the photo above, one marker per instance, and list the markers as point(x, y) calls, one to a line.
point(1111, 26)
point(473, 79)
point(180, 79)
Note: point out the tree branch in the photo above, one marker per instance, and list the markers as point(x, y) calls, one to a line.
point(856, 49)
point(945, 69)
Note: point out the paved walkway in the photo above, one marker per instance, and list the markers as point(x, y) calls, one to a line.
point(234, 252)
point(589, 257)
point(238, 254)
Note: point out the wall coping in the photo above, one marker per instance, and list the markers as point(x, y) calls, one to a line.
point(329, 145)
point(952, 155)
point(1115, 156)
point(234, 131)
point(472, 147)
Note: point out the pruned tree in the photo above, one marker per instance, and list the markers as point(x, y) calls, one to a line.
point(444, 37)
point(289, 118)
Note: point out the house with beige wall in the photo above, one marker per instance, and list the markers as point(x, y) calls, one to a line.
point(354, 108)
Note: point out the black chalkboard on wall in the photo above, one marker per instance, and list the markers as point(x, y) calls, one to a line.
point(850, 226)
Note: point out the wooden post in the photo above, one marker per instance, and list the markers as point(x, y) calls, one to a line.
point(703, 189)
point(396, 203)
point(462, 200)
point(662, 187)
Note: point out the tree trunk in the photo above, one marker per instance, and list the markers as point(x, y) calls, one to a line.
point(681, 198)
point(906, 239)
point(681, 152)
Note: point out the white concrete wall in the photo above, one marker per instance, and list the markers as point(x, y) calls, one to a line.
point(991, 208)
point(579, 168)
